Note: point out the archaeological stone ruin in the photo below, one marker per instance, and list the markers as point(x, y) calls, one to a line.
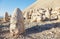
point(40, 20)
point(6, 17)
point(48, 10)
point(17, 22)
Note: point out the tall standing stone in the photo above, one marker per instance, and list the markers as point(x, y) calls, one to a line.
point(6, 17)
point(17, 22)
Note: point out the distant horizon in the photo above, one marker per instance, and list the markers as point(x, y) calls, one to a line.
point(1, 16)
point(10, 5)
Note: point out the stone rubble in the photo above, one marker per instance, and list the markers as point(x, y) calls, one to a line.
point(42, 14)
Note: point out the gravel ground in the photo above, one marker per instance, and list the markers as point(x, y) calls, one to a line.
point(41, 30)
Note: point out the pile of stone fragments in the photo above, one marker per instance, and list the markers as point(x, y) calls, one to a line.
point(41, 14)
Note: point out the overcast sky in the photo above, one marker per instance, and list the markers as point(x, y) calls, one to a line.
point(10, 5)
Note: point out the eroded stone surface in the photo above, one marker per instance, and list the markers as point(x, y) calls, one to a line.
point(17, 22)
point(6, 17)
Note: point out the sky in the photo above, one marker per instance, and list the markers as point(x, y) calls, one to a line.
point(10, 5)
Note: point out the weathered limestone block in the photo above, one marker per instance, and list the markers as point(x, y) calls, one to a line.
point(42, 11)
point(6, 17)
point(33, 17)
point(36, 17)
point(43, 17)
point(26, 15)
point(48, 13)
point(59, 17)
point(58, 11)
point(17, 22)
point(54, 17)
point(55, 12)
point(31, 11)
point(39, 18)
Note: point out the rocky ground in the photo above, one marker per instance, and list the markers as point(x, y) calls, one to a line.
point(41, 30)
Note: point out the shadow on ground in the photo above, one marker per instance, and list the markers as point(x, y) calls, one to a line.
point(40, 28)
point(4, 29)
point(32, 30)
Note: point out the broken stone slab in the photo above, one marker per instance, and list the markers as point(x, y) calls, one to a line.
point(36, 17)
point(17, 22)
point(43, 18)
point(59, 17)
point(54, 17)
point(42, 11)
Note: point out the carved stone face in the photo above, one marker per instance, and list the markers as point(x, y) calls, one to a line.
point(17, 22)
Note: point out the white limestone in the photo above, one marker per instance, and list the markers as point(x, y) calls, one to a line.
point(17, 22)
